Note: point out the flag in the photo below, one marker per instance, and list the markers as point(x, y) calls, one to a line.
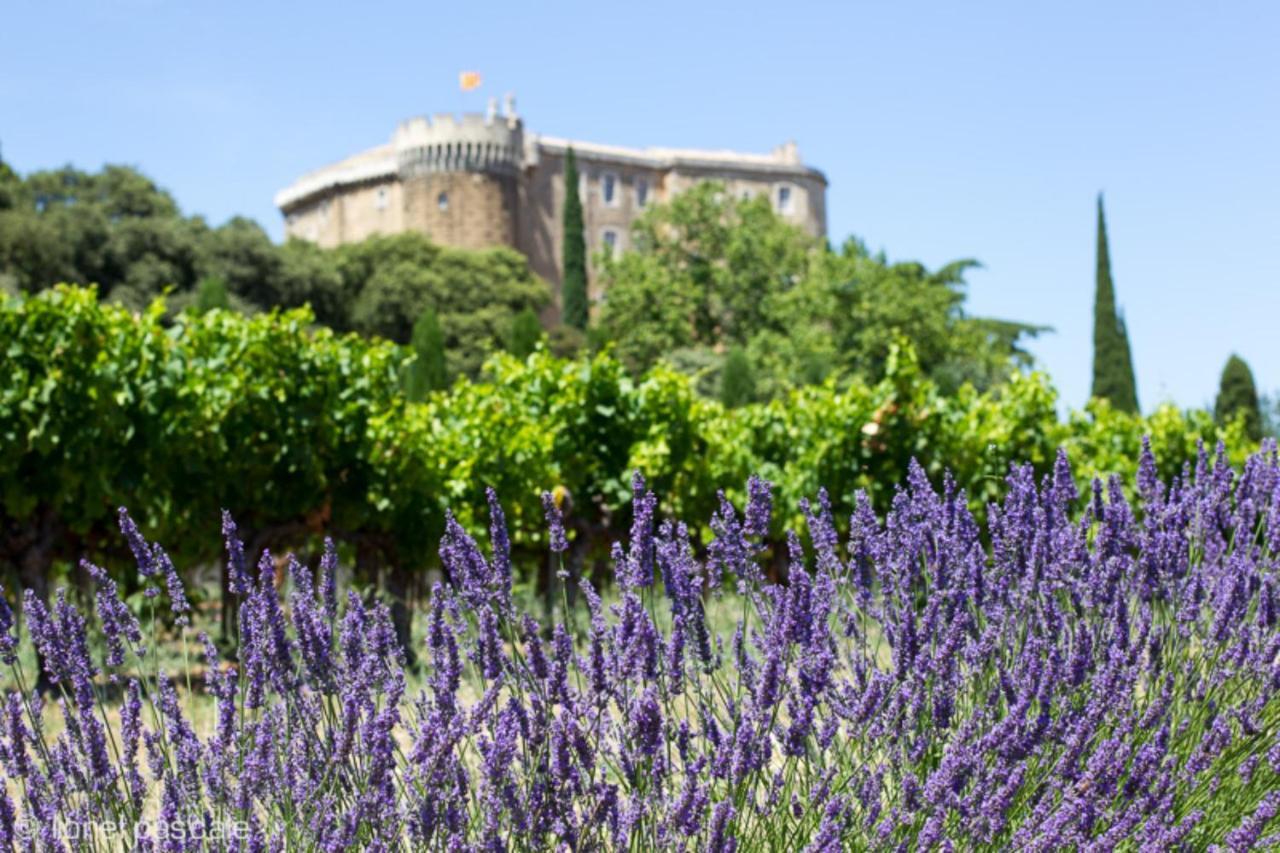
point(468, 80)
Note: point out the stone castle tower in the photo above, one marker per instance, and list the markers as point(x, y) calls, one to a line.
point(481, 180)
point(459, 179)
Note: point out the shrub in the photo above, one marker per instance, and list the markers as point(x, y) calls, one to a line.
point(1101, 675)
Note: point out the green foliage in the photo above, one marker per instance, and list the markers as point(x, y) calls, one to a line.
point(426, 372)
point(574, 300)
point(1113, 377)
point(566, 341)
point(526, 333)
point(310, 275)
point(115, 228)
point(737, 383)
point(711, 271)
point(118, 230)
point(298, 430)
point(476, 294)
point(1238, 397)
point(211, 294)
point(1269, 408)
point(264, 416)
point(241, 254)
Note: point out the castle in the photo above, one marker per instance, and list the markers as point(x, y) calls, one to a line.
point(481, 180)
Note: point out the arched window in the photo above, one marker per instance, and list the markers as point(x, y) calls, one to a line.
point(609, 239)
point(442, 201)
point(609, 189)
point(785, 200)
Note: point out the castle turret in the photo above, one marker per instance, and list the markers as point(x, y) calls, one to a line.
point(459, 177)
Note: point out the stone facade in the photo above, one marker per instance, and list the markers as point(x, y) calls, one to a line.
point(481, 180)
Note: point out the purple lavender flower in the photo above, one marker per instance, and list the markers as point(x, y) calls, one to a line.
point(465, 566)
point(177, 593)
point(500, 543)
point(237, 573)
point(141, 548)
point(329, 580)
point(646, 723)
point(730, 552)
point(640, 555)
point(120, 627)
point(555, 523)
point(718, 838)
point(8, 631)
point(1079, 677)
point(759, 507)
point(827, 838)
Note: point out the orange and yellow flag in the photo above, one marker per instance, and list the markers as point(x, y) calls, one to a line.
point(468, 80)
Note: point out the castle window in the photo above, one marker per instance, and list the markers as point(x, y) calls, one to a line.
point(324, 210)
point(380, 200)
point(609, 238)
point(642, 192)
point(609, 189)
point(442, 201)
point(785, 205)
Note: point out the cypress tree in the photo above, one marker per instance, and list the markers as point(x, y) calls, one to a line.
point(1237, 394)
point(426, 373)
point(1113, 377)
point(573, 292)
point(737, 383)
point(526, 333)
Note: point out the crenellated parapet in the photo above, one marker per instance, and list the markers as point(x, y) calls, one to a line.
point(487, 144)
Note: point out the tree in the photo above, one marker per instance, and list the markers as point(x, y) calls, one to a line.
point(241, 254)
point(1237, 395)
point(309, 275)
point(426, 373)
point(10, 186)
point(573, 290)
point(1270, 406)
point(114, 228)
point(1113, 378)
point(737, 384)
point(476, 294)
point(211, 293)
point(710, 271)
point(526, 333)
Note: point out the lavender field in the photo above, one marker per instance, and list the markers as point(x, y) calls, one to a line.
point(1093, 671)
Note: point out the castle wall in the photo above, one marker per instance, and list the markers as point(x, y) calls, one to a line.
point(539, 234)
point(467, 210)
point(807, 195)
point(348, 214)
point(541, 227)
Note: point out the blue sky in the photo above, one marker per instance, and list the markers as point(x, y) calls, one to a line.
point(946, 130)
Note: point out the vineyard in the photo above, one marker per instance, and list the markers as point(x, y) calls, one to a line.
point(301, 433)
